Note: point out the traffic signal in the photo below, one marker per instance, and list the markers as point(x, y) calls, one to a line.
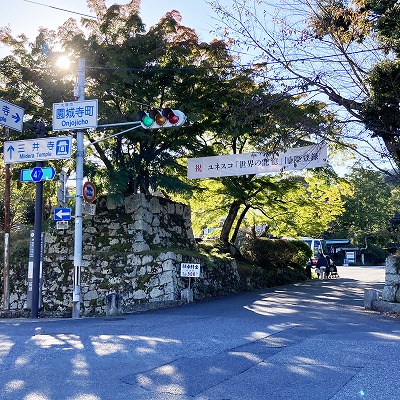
point(165, 118)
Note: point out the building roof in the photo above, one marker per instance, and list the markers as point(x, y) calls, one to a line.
point(333, 242)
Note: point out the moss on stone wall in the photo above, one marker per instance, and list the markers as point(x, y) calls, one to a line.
point(136, 255)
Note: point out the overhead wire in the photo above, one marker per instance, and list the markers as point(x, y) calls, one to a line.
point(191, 68)
point(60, 9)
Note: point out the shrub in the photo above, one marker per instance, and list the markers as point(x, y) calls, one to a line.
point(281, 261)
point(374, 255)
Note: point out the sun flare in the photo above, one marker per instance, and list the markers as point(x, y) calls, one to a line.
point(63, 62)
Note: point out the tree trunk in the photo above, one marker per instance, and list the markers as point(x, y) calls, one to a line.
point(238, 223)
point(230, 219)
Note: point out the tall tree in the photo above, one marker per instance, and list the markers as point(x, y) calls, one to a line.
point(230, 110)
point(369, 207)
point(266, 122)
point(128, 69)
point(327, 47)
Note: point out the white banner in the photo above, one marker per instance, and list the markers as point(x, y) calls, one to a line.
point(258, 163)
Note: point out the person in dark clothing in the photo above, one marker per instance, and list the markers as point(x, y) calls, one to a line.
point(322, 264)
point(308, 270)
point(332, 269)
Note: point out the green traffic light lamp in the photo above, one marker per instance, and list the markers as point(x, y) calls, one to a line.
point(145, 119)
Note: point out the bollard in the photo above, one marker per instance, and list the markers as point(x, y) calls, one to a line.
point(370, 295)
point(112, 304)
point(187, 294)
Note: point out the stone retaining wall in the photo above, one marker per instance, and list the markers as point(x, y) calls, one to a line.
point(131, 257)
point(391, 290)
point(389, 299)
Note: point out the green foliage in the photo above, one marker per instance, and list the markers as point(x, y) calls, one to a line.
point(22, 200)
point(370, 205)
point(278, 261)
point(381, 111)
point(301, 252)
point(128, 69)
point(375, 255)
point(291, 206)
point(276, 253)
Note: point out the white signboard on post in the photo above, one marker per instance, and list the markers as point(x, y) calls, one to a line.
point(41, 149)
point(11, 115)
point(190, 270)
point(75, 115)
point(258, 163)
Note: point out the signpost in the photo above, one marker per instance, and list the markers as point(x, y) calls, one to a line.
point(37, 174)
point(40, 149)
point(62, 225)
point(189, 270)
point(11, 115)
point(75, 115)
point(31, 287)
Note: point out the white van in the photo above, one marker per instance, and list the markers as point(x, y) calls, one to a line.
point(316, 245)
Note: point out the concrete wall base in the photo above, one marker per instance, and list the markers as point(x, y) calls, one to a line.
point(373, 301)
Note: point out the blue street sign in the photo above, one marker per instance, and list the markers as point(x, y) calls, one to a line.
point(11, 115)
point(62, 214)
point(37, 174)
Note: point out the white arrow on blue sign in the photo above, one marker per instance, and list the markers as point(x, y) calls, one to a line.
point(37, 174)
point(11, 115)
point(62, 214)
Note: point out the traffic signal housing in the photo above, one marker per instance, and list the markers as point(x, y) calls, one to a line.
point(165, 118)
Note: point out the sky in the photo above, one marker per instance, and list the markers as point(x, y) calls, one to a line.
point(23, 16)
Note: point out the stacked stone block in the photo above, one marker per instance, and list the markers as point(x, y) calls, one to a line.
point(391, 290)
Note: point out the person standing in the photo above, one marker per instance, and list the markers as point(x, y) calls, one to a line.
point(322, 265)
point(308, 270)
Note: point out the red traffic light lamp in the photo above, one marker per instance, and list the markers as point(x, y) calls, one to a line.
point(166, 118)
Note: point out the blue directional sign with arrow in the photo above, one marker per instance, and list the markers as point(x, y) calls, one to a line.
point(62, 214)
point(37, 174)
point(11, 115)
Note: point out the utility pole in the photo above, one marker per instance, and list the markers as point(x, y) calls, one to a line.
point(7, 228)
point(80, 154)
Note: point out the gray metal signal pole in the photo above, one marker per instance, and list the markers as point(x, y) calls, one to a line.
point(6, 266)
point(80, 155)
point(76, 297)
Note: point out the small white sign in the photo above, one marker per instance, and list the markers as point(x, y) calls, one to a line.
point(190, 270)
point(62, 224)
point(75, 115)
point(89, 208)
point(41, 149)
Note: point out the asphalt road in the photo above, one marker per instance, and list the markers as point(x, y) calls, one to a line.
point(312, 340)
